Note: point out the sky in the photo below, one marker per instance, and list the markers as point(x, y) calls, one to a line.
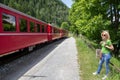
point(68, 2)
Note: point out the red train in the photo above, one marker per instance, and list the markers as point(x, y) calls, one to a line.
point(18, 31)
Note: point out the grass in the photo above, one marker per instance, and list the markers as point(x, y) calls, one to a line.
point(89, 63)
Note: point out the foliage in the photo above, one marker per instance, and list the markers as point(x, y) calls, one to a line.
point(50, 11)
point(90, 17)
point(65, 25)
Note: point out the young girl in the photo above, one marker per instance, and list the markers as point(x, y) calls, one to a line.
point(107, 47)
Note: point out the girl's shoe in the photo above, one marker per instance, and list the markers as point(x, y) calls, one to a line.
point(95, 73)
point(104, 77)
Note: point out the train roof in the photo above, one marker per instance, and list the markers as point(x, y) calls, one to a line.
point(21, 13)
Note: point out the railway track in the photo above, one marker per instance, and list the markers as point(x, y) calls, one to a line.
point(18, 63)
point(9, 58)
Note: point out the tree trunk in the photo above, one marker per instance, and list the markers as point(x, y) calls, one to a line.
point(111, 14)
point(114, 14)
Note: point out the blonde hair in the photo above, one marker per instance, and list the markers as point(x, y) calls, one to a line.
point(106, 33)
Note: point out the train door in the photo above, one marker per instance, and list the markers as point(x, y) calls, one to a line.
point(0, 20)
point(61, 33)
point(49, 32)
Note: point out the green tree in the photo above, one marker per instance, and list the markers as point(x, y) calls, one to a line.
point(50, 11)
point(65, 25)
point(90, 17)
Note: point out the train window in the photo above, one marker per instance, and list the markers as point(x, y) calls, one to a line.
point(32, 28)
point(52, 30)
point(38, 27)
point(23, 25)
point(43, 29)
point(9, 22)
point(58, 31)
point(55, 31)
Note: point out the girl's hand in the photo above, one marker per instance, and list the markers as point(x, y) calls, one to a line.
point(107, 46)
point(100, 56)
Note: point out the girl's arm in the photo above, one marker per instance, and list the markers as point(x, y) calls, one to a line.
point(100, 55)
point(110, 47)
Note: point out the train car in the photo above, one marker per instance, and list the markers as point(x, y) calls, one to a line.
point(18, 31)
point(64, 33)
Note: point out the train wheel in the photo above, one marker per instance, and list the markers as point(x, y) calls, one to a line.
point(31, 48)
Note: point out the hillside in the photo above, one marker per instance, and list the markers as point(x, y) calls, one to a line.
point(50, 11)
